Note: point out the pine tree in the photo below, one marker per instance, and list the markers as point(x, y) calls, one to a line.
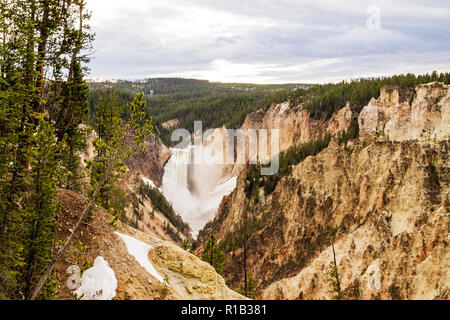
point(249, 289)
point(17, 94)
point(108, 118)
point(71, 134)
point(213, 255)
point(35, 39)
point(41, 209)
point(115, 151)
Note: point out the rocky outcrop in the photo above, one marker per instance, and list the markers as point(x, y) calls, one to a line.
point(203, 281)
point(341, 120)
point(294, 123)
point(186, 276)
point(402, 114)
point(151, 163)
point(171, 123)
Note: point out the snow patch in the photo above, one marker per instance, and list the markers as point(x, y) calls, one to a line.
point(139, 250)
point(98, 282)
point(151, 184)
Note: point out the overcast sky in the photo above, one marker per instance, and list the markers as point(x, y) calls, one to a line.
point(264, 41)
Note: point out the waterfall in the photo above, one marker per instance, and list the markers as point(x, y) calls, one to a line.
point(175, 186)
point(195, 191)
point(177, 170)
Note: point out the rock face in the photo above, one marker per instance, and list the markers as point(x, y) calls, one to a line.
point(383, 200)
point(142, 214)
point(203, 284)
point(151, 163)
point(341, 120)
point(409, 114)
point(186, 275)
point(391, 209)
point(295, 126)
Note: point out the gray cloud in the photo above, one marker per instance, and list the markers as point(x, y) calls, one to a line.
point(268, 41)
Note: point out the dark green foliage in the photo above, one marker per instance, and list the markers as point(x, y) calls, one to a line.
point(117, 204)
point(250, 289)
point(274, 97)
point(214, 111)
point(324, 100)
point(333, 281)
point(213, 255)
point(189, 87)
point(299, 153)
point(70, 147)
point(187, 245)
point(113, 147)
point(108, 119)
point(68, 113)
point(41, 207)
point(241, 233)
point(175, 235)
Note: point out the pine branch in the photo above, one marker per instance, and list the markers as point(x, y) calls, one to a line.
point(84, 214)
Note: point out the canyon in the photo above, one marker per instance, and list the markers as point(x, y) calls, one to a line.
point(381, 201)
point(378, 205)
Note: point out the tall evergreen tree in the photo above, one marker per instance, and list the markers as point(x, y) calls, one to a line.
point(41, 209)
point(35, 39)
point(108, 118)
point(69, 130)
point(213, 255)
point(18, 92)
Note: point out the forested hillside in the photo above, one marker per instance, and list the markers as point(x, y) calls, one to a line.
point(218, 104)
point(43, 116)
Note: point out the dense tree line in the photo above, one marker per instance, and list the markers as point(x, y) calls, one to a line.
point(324, 100)
point(44, 109)
point(215, 110)
point(215, 104)
point(228, 105)
point(180, 86)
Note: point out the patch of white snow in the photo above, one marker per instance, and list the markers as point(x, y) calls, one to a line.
point(98, 282)
point(139, 250)
point(151, 184)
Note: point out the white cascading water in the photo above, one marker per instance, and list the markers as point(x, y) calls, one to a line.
point(176, 171)
point(195, 191)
